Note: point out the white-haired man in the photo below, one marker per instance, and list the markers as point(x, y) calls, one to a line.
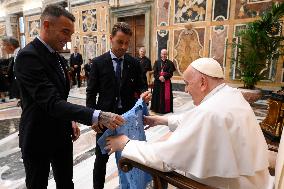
point(218, 142)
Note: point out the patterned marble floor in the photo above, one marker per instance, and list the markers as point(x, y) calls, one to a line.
point(11, 166)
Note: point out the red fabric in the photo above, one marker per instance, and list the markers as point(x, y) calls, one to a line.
point(167, 93)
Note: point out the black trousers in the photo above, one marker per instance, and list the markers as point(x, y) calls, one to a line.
point(76, 75)
point(37, 168)
point(99, 171)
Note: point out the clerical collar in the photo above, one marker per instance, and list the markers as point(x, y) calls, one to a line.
point(113, 56)
point(46, 45)
point(215, 90)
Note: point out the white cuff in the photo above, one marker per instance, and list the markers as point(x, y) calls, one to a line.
point(95, 117)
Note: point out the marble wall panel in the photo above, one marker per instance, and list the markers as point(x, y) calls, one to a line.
point(269, 72)
point(2, 29)
point(103, 44)
point(90, 47)
point(92, 22)
point(219, 36)
point(103, 19)
point(89, 20)
point(189, 11)
point(163, 12)
point(77, 21)
point(188, 46)
point(220, 10)
point(162, 41)
point(235, 72)
point(252, 8)
point(32, 27)
point(14, 25)
point(2, 34)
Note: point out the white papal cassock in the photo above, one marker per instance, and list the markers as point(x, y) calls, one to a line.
point(218, 143)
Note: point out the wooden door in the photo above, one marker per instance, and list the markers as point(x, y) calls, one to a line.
point(137, 24)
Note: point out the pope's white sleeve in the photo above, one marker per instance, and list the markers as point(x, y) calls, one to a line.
point(174, 122)
point(142, 152)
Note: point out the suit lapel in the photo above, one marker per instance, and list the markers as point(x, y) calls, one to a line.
point(126, 65)
point(110, 64)
point(49, 58)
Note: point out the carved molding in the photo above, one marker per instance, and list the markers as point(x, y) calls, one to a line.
point(131, 10)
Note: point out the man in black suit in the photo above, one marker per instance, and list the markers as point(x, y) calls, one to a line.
point(145, 63)
point(75, 63)
point(11, 46)
point(46, 130)
point(116, 78)
point(87, 69)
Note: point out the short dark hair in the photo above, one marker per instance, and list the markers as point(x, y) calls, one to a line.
point(56, 11)
point(11, 40)
point(121, 26)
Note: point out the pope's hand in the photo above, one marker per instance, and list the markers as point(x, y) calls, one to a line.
point(116, 143)
point(76, 131)
point(146, 96)
point(152, 121)
point(110, 120)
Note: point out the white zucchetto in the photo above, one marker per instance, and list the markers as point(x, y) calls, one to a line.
point(208, 66)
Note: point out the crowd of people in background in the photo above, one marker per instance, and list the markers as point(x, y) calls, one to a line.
point(8, 86)
point(79, 73)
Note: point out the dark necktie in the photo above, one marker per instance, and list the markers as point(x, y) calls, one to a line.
point(118, 77)
point(58, 63)
point(118, 69)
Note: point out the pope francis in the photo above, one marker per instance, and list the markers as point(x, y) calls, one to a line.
point(218, 143)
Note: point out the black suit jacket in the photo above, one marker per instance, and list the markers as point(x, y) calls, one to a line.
point(76, 60)
point(102, 83)
point(168, 67)
point(46, 117)
point(145, 63)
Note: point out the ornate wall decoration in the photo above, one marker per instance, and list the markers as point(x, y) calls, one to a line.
point(163, 12)
point(220, 10)
point(76, 42)
point(14, 26)
point(34, 28)
point(190, 10)
point(269, 72)
point(162, 41)
point(77, 21)
point(235, 72)
point(188, 48)
point(2, 34)
point(219, 35)
point(103, 19)
point(282, 74)
point(32, 25)
point(2, 29)
point(103, 44)
point(251, 8)
point(89, 20)
point(92, 22)
point(89, 47)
